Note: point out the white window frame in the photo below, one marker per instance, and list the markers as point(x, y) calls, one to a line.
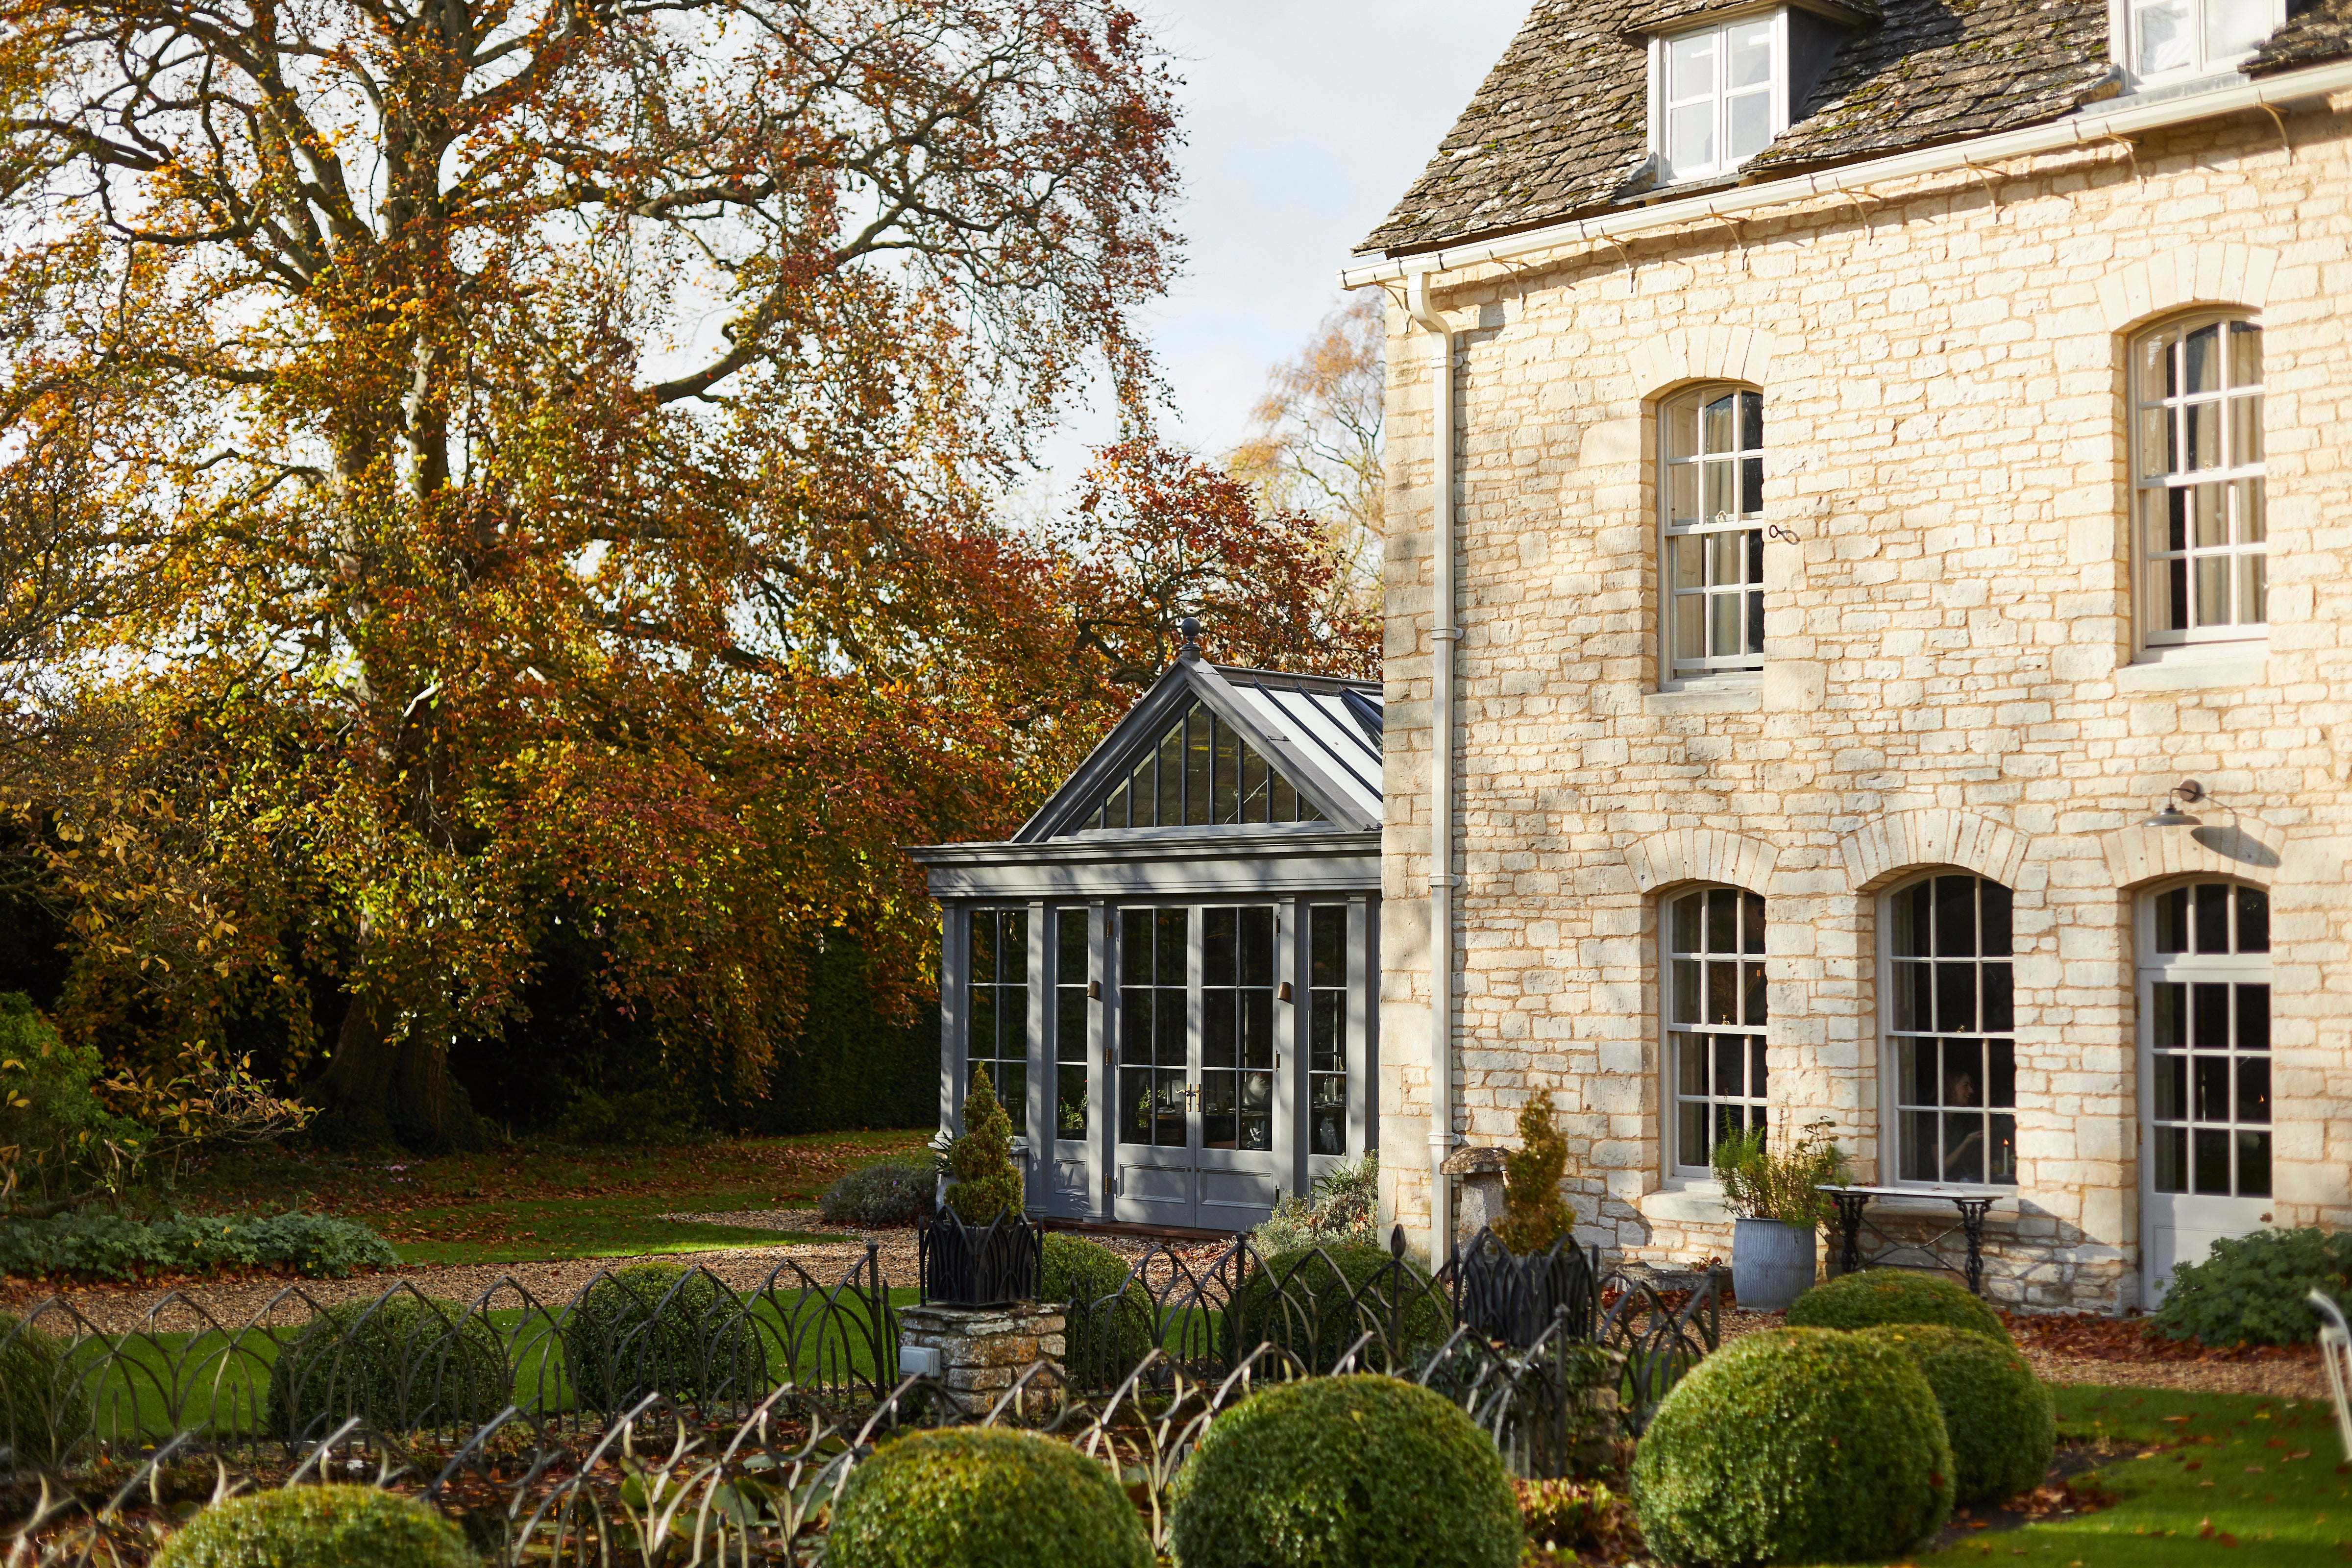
point(1775, 93)
point(2238, 971)
point(1753, 1025)
point(1745, 531)
point(2123, 44)
point(1890, 1096)
point(2241, 488)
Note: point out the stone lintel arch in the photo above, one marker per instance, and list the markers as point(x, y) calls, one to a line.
point(1884, 848)
point(1701, 855)
point(2243, 848)
point(1684, 355)
point(2208, 273)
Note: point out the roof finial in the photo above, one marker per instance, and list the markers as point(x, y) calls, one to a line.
point(1190, 630)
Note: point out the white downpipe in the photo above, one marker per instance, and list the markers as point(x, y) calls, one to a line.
point(1444, 633)
point(2087, 128)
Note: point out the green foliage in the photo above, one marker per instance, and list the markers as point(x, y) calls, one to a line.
point(1109, 1328)
point(101, 1246)
point(2002, 1421)
point(1316, 1302)
point(1362, 1471)
point(1878, 1295)
point(2251, 1289)
point(1534, 1213)
point(401, 1364)
point(663, 1113)
point(659, 1327)
point(986, 1182)
point(1762, 1183)
point(887, 1194)
point(853, 1064)
point(56, 1131)
point(1794, 1445)
point(317, 1527)
point(1344, 1206)
point(1566, 1516)
point(45, 1406)
point(984, 1498)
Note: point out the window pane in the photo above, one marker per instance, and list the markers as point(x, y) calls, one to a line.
point(1750, 127)
point(2245, 354)
point(2252, 526)
point(1724, 614)
point(1690, 1056)
point(2171, 1075)
point(2201, 354)
point(2172, 921)
point(1912, 1002)
point(2163, 36)
point(1690, 629)
point(2253, 1017)
point(1682, 499)
point(1717, 423)
point(2212, 917)
point(1999, 999)
point(1956, 925)
point(2169, 1027)
point(2002, 1157)
point(1326, 928)
point(1911, 907)
point(1686, 976)
point(1917, 1063)
point(1714, 501)
point(1996, 903)
point(2211, 1145)
point(1690, 136)
point(2154, 366)
point(2254, 592)
point(1690, 66)
point(1751, 487)
point(1758, 1084)
point(1225, 781)
point(1956, 998)
point(2213, 591)
point(1724, 557)
point(1751, 421)
point(1730, 1064)
point(2209, 1015)
point(1070, 936)
point(2254, 1165)
point(1169, 939)
point(2172, 1159)
point(2253, 921)
point(2153, 447)
point(1171, 809)
point(2204, 435)
point(1687, 912)
point(1197, 758)
point(1964, 1072)
point(1070, 1024)
point(1070, 1102)
point(2001, 1074)
point(1964, 1151)
point(2232, 27)
point(2245, 431)
point(1919, 1146)
point(1751, 924)
point(1751, 991)
point(2208, 1082)
point(2211, 519)
point(1681, 431)
point(1690, 1147)
point(2253, 1088)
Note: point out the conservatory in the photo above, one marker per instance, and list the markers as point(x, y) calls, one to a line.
point(1169, 971)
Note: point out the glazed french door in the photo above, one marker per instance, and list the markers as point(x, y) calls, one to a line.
point(2205, 1072)
point(1199, 1105)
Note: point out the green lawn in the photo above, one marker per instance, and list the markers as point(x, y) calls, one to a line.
point(538, 1200)
point(2246, 1481)
point(151, 1385)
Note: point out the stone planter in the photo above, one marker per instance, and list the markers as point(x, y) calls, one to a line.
point(1771, 1264)
point(962, 1265)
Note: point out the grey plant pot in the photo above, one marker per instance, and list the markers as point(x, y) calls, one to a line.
point(1771, 1264)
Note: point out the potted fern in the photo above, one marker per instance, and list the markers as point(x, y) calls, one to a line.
point(1775, 1195)
point(978, 1249)
point(1516, 1277)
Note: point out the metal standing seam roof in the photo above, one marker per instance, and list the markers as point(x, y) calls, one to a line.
point(1333, 724)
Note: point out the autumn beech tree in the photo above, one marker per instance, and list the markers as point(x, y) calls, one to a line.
point(558, 436)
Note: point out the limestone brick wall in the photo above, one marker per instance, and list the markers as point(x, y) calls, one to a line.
point(1950, 675)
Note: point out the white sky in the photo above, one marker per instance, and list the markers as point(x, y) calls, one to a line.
point(1304, 121)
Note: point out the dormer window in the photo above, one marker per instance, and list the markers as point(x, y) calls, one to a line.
point(1720, 106)
point(1720, 93)
point(2186, 39)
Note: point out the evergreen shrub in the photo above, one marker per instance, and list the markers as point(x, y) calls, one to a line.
point(45, 1407)
point(983, 1497)
point(1109, 1325)
point(317, 1527)
point(1316, 1302)
point(2002, 1423)
point(399, 1364)
point(1879, 1296)
point(887, 1194)
point(985, 1183)
point(1362, 1471)
point(95, 1244)
point(2252, 1289)
point(661, 1327)
point(1534, 1213)
point(1794, 1445)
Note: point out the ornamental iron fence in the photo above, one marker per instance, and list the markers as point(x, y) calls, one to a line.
point(654, 1417)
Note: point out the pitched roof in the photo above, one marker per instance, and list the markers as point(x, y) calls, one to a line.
point(1558, 129)
point(1321, 732)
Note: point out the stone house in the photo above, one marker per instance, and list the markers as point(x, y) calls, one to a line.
point(1870, 619)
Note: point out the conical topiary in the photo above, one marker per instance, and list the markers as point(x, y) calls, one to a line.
point(985, 1185)
point(1534, 1213)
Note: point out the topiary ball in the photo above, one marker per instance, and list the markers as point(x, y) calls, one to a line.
point(44, 1397)
point(1879, 1296)
point(984, 1498)
point(661, 1328)
point(317, 1527)
point(1361, 1471)
point(399, 1362)
point(1316, 1302)
point(2002, 1421)
point(1794, 1445)
point(1110, 1324)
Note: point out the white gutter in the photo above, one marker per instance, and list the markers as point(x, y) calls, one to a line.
point(1444, 633)
point(2075, 131)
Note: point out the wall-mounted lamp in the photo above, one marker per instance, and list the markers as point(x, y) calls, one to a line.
point(2187, 790)
point(1282, 992)
point(1094, 990)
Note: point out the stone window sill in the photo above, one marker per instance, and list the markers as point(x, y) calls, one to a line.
point(1720, 694)
point(2191, 668)
point(1688, 1201)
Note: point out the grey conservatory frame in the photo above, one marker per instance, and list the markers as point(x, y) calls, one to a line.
point(1322, 734)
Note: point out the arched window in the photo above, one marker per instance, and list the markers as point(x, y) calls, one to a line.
point(1714, 1015)
point(1711, 521)
point(2200, 535)
point(1951, 1032)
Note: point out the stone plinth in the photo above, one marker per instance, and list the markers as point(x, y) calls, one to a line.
point(981, 1350)
point(1481, 1173)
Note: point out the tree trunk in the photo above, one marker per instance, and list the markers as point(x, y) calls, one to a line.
point(377, 1089)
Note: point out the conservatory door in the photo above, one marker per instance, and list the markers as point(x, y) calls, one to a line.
point(1198, 1116)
